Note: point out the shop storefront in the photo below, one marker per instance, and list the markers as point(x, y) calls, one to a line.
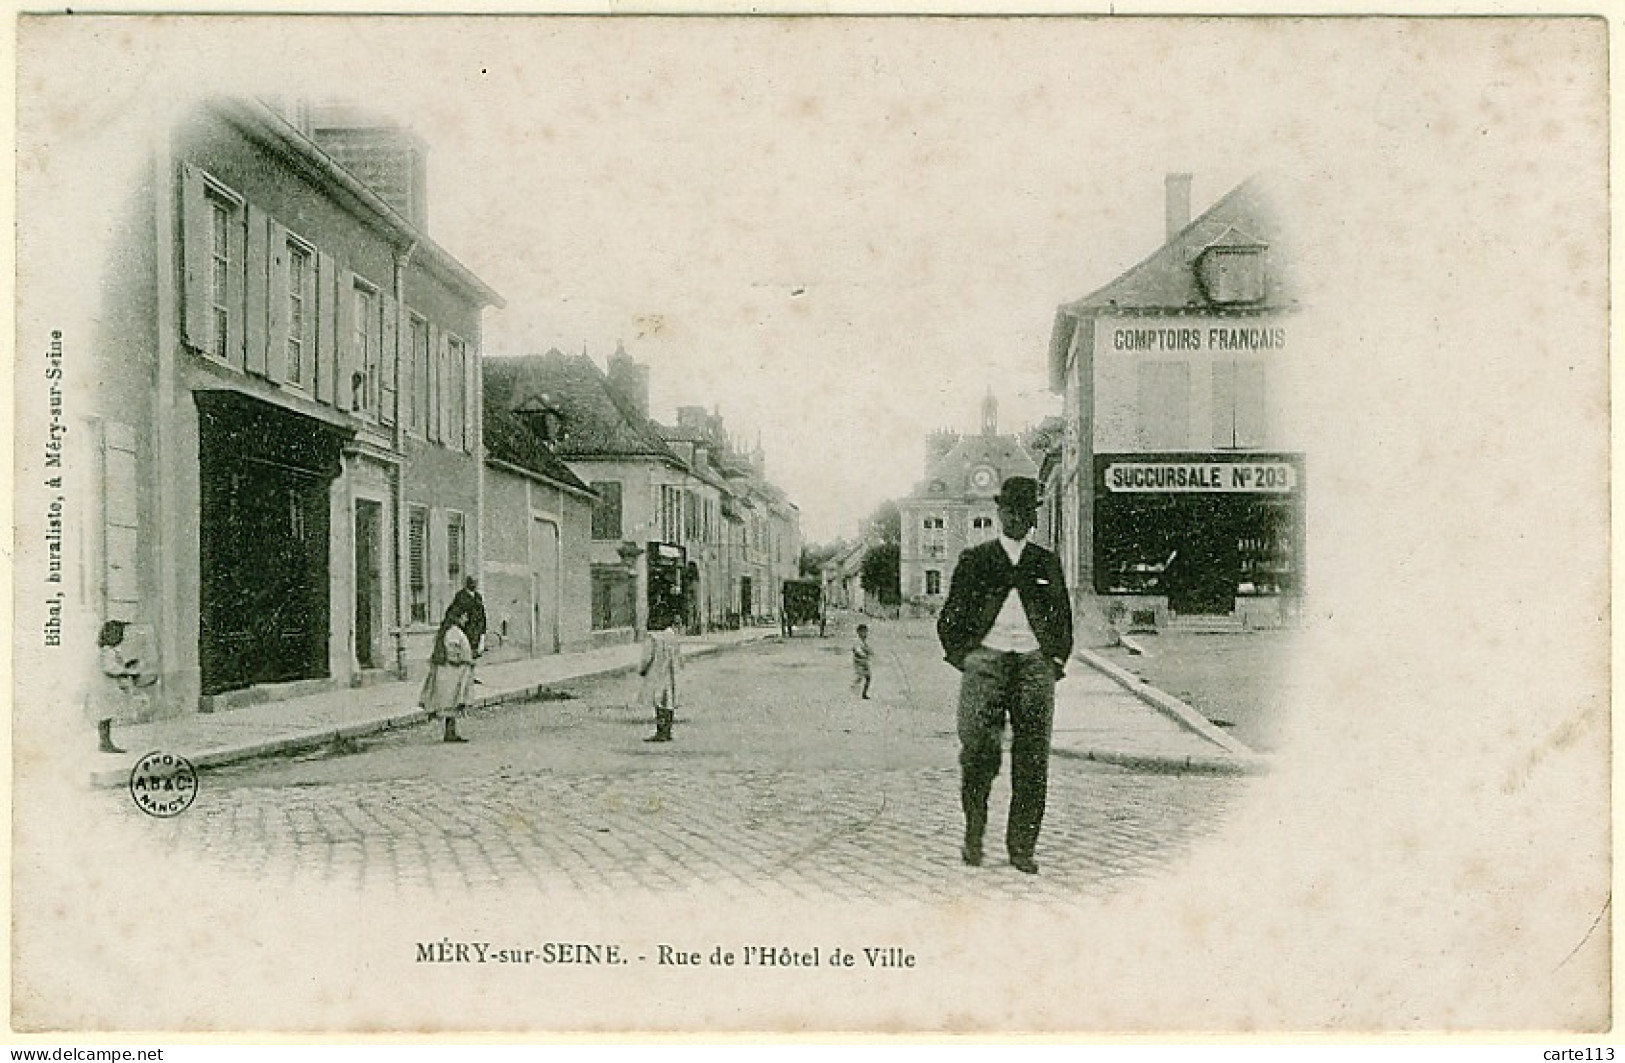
point(264, 561)
point(669, 586)
point(1211, 534)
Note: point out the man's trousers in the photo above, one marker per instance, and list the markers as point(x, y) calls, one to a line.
point(993, 685)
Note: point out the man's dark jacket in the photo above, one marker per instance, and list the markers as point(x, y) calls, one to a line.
point(981, 581)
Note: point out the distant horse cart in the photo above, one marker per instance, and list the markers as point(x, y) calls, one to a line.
point(802, 602)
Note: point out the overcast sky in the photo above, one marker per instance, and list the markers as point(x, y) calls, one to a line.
point(839, 233)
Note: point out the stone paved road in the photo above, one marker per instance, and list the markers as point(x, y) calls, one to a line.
point(780, 781)
point(851, 835)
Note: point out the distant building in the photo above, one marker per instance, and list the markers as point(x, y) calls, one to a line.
point(843, 577)
point(537, 529)
point(684, 529)
point(285, 421)
point(635, 559)
point(1179, 494)
point(953, 507)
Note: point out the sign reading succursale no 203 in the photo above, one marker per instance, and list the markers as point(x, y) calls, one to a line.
point(1264, 477)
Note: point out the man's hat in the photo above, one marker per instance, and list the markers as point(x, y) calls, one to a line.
point(1020, 492)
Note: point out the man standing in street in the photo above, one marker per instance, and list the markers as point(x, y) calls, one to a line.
point(468, 601)
point(1007, 627)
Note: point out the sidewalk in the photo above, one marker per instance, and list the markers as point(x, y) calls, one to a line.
point(1101, 713)
point(215, 738)
point(1105, 713)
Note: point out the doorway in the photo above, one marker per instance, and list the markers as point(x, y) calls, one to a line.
point(1201, 578)
point(544, 586)
point(369, 582)
point(263, 594)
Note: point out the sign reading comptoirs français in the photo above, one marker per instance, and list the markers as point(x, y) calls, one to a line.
point(1200, 336)
point(1199, 476)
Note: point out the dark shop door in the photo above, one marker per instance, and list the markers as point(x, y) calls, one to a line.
point(263, 538)
point(264, 577)
point(1202, 577)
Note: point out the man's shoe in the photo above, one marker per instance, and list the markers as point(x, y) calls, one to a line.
point(454, 738)
point(972, 855)
point(1025, 864)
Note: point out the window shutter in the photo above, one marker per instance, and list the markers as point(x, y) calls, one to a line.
point(257, 277)
point(235, 296)
point(195, 223)
point(1163, 402)
point(122, 517)
point(307, 338)
point(454, 550)
point(327, 328)
point(373, 330)
point(417, 549)
point(437, 344)
point(389, 363)
point(471, 399)
point(1252, 404)
point(1224, 403)
point(276, 344)
point(344, 385)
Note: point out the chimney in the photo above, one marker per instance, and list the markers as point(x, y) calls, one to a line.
point(937, 446)
point(1179, 202)
point(630, 379)
point(382, 155)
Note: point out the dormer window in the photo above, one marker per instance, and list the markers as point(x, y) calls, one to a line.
point(1231, 269)
point(543, 418)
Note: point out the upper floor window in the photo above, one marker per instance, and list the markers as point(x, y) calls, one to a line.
point(220, 267)
point(301, 320)
point(417, 404)
point(363, 377)
point(456, 426)
point(671, 513)
point(606, 510)
point(1240, 403)
point(1162, 404)
point(933, 541)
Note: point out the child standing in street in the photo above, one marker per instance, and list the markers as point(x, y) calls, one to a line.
point(114, 698)
point(861, 655)
point(662, 660)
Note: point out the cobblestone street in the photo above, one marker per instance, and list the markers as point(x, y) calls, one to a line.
point(780, 781)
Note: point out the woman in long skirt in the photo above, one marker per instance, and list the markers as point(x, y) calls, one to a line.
point(451, 670)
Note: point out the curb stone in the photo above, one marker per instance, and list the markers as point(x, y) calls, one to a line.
point(315, 738)
point(1243, 757)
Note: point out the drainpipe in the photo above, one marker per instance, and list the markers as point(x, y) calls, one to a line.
point(402, 339)
point(170, 530)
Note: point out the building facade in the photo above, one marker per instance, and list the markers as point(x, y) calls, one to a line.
point(953, 507)
point(537, 523)
point(286, 435)
point(684, 530)
point(1180, 495)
